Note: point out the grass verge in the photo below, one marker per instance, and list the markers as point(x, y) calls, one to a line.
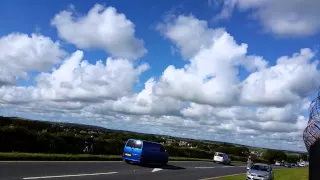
point(73, 157)
point(279, 174)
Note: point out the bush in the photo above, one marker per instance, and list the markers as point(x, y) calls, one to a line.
point(274, 155)
point(188, 152)
point(72, 157)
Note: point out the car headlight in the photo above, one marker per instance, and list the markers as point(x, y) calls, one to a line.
point(266, 177)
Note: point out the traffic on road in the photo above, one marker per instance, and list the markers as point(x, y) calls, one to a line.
point(115, 170)
point(143, 160)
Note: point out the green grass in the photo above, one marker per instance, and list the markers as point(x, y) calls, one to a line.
point(73, 157)
point(279, 174)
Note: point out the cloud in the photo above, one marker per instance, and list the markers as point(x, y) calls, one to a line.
point(291, 79)
point(79, 81)
point(211, 76)
point(102, 28)
point(142, 103)
point(76, 79)
point(188, 33)
point(21, 53)
point(205, 99)
point(284, 18)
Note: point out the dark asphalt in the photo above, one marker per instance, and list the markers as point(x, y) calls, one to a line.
point(114, 170)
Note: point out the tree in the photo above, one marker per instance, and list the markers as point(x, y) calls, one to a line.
point(304, 157)
point(274, 155)
point(293, 158)
point(174, 144)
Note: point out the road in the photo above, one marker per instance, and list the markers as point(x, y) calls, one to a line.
point(114, 170)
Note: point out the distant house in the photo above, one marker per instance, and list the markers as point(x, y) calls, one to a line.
point(183, 143)
point(92, 132)
point(256, 153)
point(169, 141)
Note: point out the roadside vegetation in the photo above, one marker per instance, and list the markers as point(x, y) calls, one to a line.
point(65, 141)
point(279, 174)
point(74, 157)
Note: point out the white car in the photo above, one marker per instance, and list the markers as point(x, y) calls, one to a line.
point(277, 163)
point(222, 158)
point(303, 164)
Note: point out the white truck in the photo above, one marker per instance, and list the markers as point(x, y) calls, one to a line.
point(222, 158)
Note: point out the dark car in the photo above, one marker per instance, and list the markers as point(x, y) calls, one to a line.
point(288, 165)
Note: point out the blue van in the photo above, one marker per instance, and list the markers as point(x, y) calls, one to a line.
point(144, 152)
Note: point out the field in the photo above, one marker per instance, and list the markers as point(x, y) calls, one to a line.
point(281, 174)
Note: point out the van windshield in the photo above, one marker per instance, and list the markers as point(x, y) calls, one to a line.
point(130, 143)
point(138, 144)
point(134, 144)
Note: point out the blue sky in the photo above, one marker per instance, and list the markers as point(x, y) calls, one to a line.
point(37, 14)
point(164, 49)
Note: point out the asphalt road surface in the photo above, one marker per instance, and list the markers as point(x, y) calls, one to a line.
point(114, 170)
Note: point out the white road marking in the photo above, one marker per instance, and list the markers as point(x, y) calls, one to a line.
point(74, 175)
point(214, 167)
point(156, 169)
point(204, 167)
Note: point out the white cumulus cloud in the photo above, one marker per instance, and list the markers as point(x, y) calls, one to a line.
point(291, 79)
point(21, 53)
point(284, 18)
point(101, 28)
point(77, 79)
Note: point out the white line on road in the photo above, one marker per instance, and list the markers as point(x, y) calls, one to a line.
point(156, 169)
point(74, 175)
point(204, 167)
point(214, 167)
